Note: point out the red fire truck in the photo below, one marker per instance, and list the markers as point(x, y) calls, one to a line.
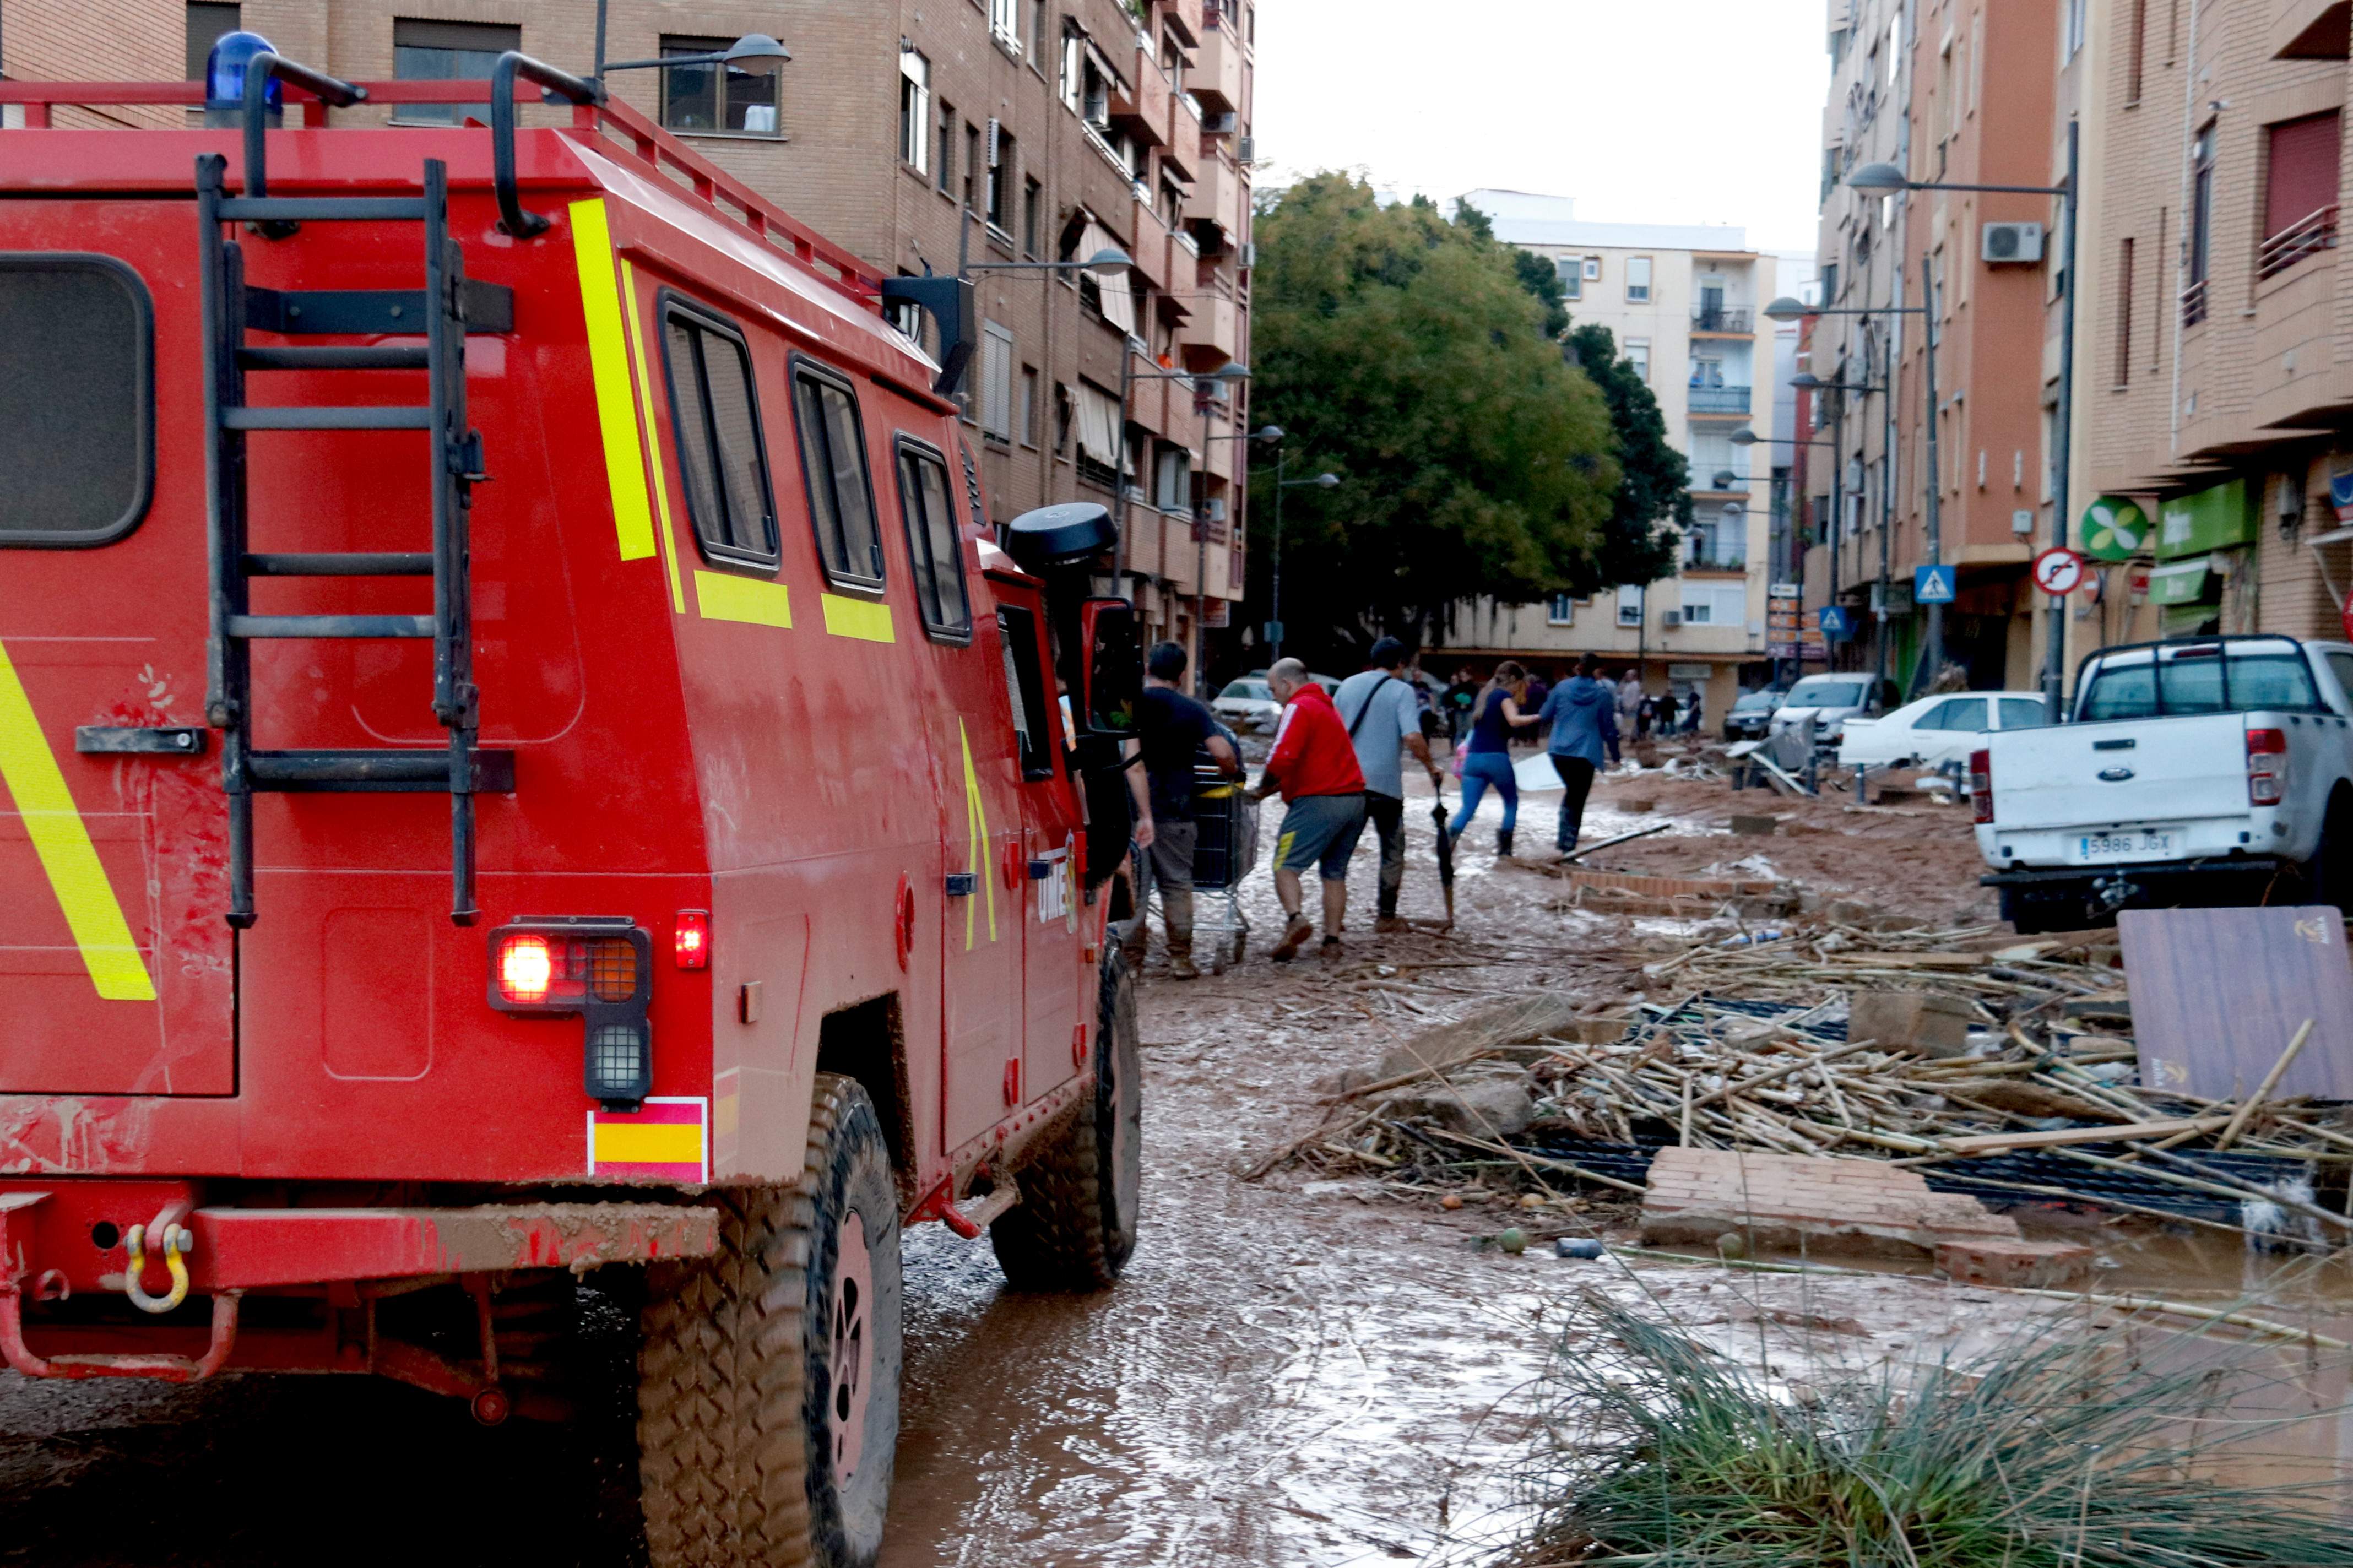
point(524, 756)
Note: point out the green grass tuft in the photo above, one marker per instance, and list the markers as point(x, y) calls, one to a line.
point(2066, 1449)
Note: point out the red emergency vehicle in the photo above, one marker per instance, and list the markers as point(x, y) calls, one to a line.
point(522, 755)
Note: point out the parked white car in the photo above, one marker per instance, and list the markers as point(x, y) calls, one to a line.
point(1937, 729)
point(1246, 704)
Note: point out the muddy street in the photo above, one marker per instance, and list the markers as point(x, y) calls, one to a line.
point(1301, 1369)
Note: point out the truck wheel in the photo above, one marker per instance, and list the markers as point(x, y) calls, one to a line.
point(768, 1374)
point(1075, 1225)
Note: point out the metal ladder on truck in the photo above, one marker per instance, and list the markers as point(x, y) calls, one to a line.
point(441, 312)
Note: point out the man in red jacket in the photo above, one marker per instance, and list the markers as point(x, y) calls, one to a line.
point(1315, 766)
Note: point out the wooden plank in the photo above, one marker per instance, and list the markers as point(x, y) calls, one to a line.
point(1998, 1143)
point(2217, 994)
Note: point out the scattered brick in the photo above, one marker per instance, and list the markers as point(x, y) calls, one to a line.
point(2026, 1263)
point(1785, 1202)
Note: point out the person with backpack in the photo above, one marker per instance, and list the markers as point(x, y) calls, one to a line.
point(1380, 708)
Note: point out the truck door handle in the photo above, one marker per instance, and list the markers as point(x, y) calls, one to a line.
point(159, 740)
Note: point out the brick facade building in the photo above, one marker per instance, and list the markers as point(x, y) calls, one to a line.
point(934, 136)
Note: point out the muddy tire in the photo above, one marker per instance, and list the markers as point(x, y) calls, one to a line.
point(768, 1373)
point(1074, 1227)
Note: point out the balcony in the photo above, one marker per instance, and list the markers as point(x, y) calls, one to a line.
point(1143, 105)
point(1151, 248)
point(1216, 75)
point(1217, 197)
point(1737, 321)
point(2307, 237)
point(1717, 560)
point(1720, 400)
point(1213, 336)
point(1182, 153)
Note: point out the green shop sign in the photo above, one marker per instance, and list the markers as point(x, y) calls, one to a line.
point(2184, 582)
point(2216, 518)
point(2115, 528)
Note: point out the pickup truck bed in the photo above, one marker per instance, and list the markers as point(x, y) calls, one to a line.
point(2193, 771)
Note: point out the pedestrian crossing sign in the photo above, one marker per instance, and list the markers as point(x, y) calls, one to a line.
point(1933, 585)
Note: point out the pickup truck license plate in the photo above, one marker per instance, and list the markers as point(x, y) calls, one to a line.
point(2153, 843)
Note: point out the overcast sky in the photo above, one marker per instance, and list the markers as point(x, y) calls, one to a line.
point(1644, 110)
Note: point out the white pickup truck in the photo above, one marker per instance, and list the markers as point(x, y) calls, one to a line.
point(2197, 770)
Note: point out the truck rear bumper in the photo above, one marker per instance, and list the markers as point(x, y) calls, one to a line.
point(230, 1251)
point(2254, 868)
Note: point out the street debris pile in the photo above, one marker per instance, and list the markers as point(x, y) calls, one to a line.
point(1976, 1062)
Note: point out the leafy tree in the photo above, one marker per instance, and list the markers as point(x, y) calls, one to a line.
point(1406, 354)
point(1536, 275)
point(1654, 479)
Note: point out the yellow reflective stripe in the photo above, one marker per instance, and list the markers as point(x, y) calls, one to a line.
point(600, 303)
point(975, 819)
point(649, 1143)
point(722, 597)
point(867, 619)
point(62, 842)
point(653, 433)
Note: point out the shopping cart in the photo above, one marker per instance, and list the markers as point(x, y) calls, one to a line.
point(1225, 851)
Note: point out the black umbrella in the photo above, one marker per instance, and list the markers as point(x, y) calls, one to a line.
point(1445, 858)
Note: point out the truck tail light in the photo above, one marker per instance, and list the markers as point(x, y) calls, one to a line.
point(1981, 786)
point(692, 941)
point(2266, 766)
point(599, 966)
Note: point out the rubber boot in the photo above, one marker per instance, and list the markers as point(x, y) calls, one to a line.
point(1176, 909)
point(1502, 843)
point(1132, 943)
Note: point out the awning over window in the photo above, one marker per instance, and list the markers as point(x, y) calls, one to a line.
point(1118, 298)
point(2184, 582)
point(1099, 429)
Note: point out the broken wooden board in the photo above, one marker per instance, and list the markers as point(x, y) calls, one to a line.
point(2217, 994)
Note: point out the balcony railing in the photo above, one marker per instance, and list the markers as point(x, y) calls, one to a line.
point(1723, 319)
point(2194, 303)
point(2306, 236)
point(1717, 560)
point(1718, 400)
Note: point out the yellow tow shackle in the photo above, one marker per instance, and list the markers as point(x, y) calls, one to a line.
point(177, 1243)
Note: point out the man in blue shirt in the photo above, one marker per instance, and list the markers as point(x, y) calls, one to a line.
point(1175, 731)
point(1583, 713)
point(1382, 709)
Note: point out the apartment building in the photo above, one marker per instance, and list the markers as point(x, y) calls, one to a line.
point(2212, 336)
point(947, 136)
point(1684, 303)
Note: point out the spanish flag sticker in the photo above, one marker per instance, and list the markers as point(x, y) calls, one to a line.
point(666, 1139)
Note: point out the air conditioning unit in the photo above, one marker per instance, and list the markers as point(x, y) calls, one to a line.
point(1246, 255)
point(1246, 150)
point(2011, 243)
point(1672, 619)
point(1213, 510)
point(1224, 125)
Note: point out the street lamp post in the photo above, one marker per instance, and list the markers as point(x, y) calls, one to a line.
point(1932, 657)
point(1274, 597)
point(1885, 179)
point(1745, 437)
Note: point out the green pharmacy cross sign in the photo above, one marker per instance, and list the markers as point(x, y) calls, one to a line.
point(2115, 528)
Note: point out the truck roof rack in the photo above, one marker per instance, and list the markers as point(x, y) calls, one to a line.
point(613, 128)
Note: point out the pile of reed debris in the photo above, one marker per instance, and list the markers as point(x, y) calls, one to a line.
point(1998, 1065)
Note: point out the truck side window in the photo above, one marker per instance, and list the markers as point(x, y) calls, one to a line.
point(1025, 684)
point(77, 399)
point(833, 462)
point(722, 463)
point(932, 544)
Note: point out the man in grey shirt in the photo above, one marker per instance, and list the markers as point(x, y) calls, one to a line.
point(1381, 709)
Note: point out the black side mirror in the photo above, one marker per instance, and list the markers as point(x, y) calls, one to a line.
point(1114, 686)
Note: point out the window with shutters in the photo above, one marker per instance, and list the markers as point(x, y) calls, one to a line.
point(1572, 276)
point(2300, 180)
point(1638, 279)
point(833, 467)
point(927, 502)
point(207, 24)
point(995, 381)
point(916, 111)
point(446, 51)
point(1175, 481)
point(714, 410)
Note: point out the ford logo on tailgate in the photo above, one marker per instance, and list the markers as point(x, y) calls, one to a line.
point(2116, 775)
